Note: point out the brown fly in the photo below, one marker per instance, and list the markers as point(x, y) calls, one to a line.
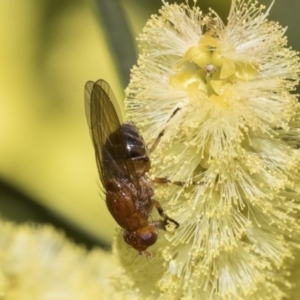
point(122, 161)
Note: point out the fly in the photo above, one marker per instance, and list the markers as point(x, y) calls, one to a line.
point(122, 161)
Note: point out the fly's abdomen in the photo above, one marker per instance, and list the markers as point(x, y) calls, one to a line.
point(121, 200)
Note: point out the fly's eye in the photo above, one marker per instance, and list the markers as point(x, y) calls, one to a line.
point(142, 238)
point(148, 236)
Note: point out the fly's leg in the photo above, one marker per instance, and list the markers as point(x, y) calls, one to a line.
point(156, 142)
point(153, 147)
point(162, 223)
point(161, 180)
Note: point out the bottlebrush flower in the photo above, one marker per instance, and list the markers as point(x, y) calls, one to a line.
point(38, 262)
point(222, 97)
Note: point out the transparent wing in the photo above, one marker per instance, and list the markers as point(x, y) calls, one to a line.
point(103, 118)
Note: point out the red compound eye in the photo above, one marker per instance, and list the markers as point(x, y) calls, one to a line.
point(148, 236)
point(142, 238)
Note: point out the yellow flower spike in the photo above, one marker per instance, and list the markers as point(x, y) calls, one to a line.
point(184, 79)
point(195, 89)
point(216, 58)
point(208, 42)
point(39, 262)
point(175, 81)
point(224, 96)
point(199, 56)
point(245, 71)
point(219, 100)
point(221, 87)
point(228, 68)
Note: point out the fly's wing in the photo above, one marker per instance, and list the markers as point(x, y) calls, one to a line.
point(105, 128)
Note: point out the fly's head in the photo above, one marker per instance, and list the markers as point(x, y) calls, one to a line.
point(141, 238)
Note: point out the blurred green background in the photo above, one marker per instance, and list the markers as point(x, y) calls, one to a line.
point(49, 49)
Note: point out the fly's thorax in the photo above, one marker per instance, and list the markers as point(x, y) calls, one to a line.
point(136, 148)
point(145, 192)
